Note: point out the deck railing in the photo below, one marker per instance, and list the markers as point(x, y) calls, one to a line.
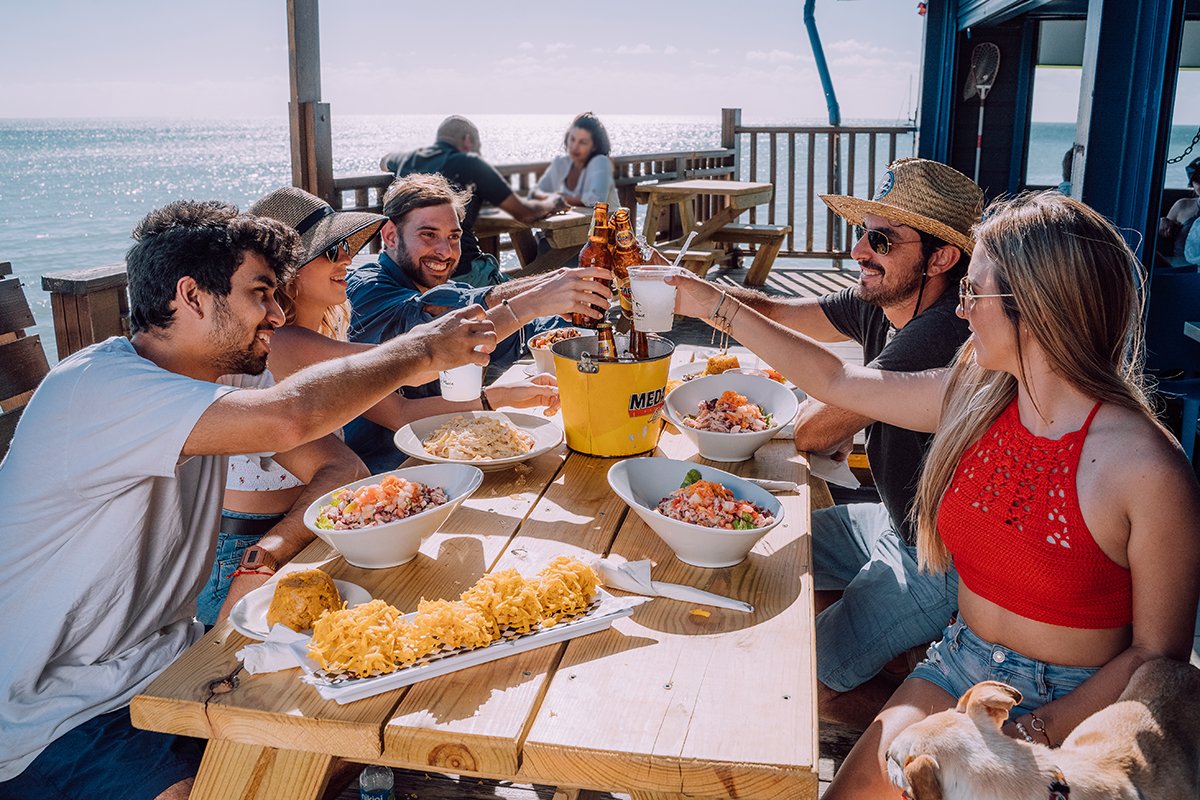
point(801, 162)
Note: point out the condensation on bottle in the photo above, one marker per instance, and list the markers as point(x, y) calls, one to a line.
point(376, 783)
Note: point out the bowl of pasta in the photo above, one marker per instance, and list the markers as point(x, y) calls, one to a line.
point(708, 517)
point(729, 416)
point(381, 521)
point(489, 440)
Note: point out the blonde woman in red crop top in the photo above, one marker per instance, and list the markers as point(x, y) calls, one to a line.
point(1070, 512)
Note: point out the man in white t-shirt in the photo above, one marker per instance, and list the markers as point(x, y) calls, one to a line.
point(112, 491)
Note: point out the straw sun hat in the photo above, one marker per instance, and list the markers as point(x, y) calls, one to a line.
point(319, 226)
point(922, 194)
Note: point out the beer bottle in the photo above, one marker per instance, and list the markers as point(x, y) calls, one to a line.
point(606, 343)
point(594, 254)
point(639, 345)
point(625, 255)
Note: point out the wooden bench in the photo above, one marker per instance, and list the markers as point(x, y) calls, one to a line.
point(768, 239)
point(697, 259)
point(22, 360)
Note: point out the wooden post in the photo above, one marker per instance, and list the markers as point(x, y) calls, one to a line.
point(89, 306)
point(731, 120)
point(312, 148)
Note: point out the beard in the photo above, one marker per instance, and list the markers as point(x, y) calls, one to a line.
point(232, 353)
point(412, 269)
point(889, 295)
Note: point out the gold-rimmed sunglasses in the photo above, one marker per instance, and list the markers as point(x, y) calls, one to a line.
point(331, 252)
point(967, 294)
point(878, 240)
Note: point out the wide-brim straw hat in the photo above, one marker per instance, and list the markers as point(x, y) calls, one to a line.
point(922, 194)
point(319, 226)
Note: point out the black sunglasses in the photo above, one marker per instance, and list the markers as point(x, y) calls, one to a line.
point(878, 240)
point(332, 251)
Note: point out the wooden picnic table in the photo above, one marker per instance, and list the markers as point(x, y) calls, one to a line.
point(737, 197)
point(676, 700)
point(566, 233)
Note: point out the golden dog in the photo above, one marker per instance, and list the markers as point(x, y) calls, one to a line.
point(1146, 746)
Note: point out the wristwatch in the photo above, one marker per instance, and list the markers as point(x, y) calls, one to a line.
point(258, 561)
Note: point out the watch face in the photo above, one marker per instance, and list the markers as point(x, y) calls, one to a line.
point(254, 556)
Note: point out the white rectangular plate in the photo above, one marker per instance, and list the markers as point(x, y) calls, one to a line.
point(603, 614)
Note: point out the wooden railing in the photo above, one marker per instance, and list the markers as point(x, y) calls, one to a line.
point(803, 162)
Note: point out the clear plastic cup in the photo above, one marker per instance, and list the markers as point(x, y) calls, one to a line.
point(461, 383)
point(653, 298)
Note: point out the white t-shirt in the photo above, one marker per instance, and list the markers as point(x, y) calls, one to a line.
point(596, 183)
point(106, 540)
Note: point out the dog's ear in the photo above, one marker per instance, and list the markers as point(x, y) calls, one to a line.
point(922, 776)
point(992, 698)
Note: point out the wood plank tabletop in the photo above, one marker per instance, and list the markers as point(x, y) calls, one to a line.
point(696, 186)
point(673, 700)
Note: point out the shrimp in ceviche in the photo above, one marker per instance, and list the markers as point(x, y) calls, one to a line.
point(391, 499)
point(729, 413)
point(712, 505)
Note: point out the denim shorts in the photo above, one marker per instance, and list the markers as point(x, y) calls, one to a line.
point(107, 757)
point(961, 659)
point(887, 606)
point(230, 547)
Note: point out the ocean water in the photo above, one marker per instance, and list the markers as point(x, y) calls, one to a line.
point(71, 190)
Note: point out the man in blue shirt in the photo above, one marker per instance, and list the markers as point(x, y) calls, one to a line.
point(410, 284)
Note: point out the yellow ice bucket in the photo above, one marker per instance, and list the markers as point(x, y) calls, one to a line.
point(611, 408)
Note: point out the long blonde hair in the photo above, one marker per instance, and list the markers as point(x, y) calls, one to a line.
point(1072, 278)
point(335, 322)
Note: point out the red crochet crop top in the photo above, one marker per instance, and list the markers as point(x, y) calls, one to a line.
point(1011, 520)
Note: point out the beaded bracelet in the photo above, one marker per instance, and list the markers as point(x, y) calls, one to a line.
point(1021, 730)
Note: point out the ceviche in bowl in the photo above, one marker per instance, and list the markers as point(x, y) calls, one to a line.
point(380, 521)
point(729, 416)
point(708, 517)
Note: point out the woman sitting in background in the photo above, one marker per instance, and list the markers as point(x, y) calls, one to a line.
point(1176, 226)
point(1070, 513)
point(258, 490)
point(584, 175)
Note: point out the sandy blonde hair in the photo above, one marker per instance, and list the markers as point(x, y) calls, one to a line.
point(1075, 293)
point(335, 322)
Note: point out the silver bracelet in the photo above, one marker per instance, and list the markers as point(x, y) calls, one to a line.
point(1021, 730)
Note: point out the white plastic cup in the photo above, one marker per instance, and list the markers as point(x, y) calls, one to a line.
point(461, 383)
point(653, 298)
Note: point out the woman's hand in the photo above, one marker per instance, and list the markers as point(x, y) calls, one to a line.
point(540, 390)
point(694, 297)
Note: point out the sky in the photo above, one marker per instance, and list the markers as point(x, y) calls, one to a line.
point(227, 58)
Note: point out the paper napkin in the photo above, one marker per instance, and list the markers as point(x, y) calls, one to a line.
point(832, 471)
point(274, 653)
point(634, 576)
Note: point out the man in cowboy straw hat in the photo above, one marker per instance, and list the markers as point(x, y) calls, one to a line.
point(112, 490)
point(912, 250)
point(411, 283)
point(455, 155)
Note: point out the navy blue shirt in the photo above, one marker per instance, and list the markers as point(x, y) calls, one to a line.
point(385, 303)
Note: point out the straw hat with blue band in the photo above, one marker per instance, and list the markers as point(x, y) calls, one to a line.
point(319, 225)
point(922, 194)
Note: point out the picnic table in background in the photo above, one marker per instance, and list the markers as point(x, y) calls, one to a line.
point(735, 198)
point(676, 700)
point(566, 233)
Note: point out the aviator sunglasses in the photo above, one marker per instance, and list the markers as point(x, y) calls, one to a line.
point(967, 294)
point(331, 252)
point(878, 240)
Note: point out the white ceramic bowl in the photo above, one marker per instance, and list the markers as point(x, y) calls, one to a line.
point(643, 482)
point(776, 398)
point(396, 543)
point(546, 433)
point(543, 359)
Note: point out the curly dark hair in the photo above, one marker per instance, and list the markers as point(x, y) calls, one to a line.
point(589, 122)
point(204, 240)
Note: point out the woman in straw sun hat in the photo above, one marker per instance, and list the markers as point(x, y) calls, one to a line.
point(316, 312)
point(1070, 513)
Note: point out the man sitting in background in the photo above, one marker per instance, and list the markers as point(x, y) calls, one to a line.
point(455, 155)
point(112, 491)
point(410, 284)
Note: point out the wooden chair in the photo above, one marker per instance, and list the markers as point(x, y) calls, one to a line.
point(22, 360)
